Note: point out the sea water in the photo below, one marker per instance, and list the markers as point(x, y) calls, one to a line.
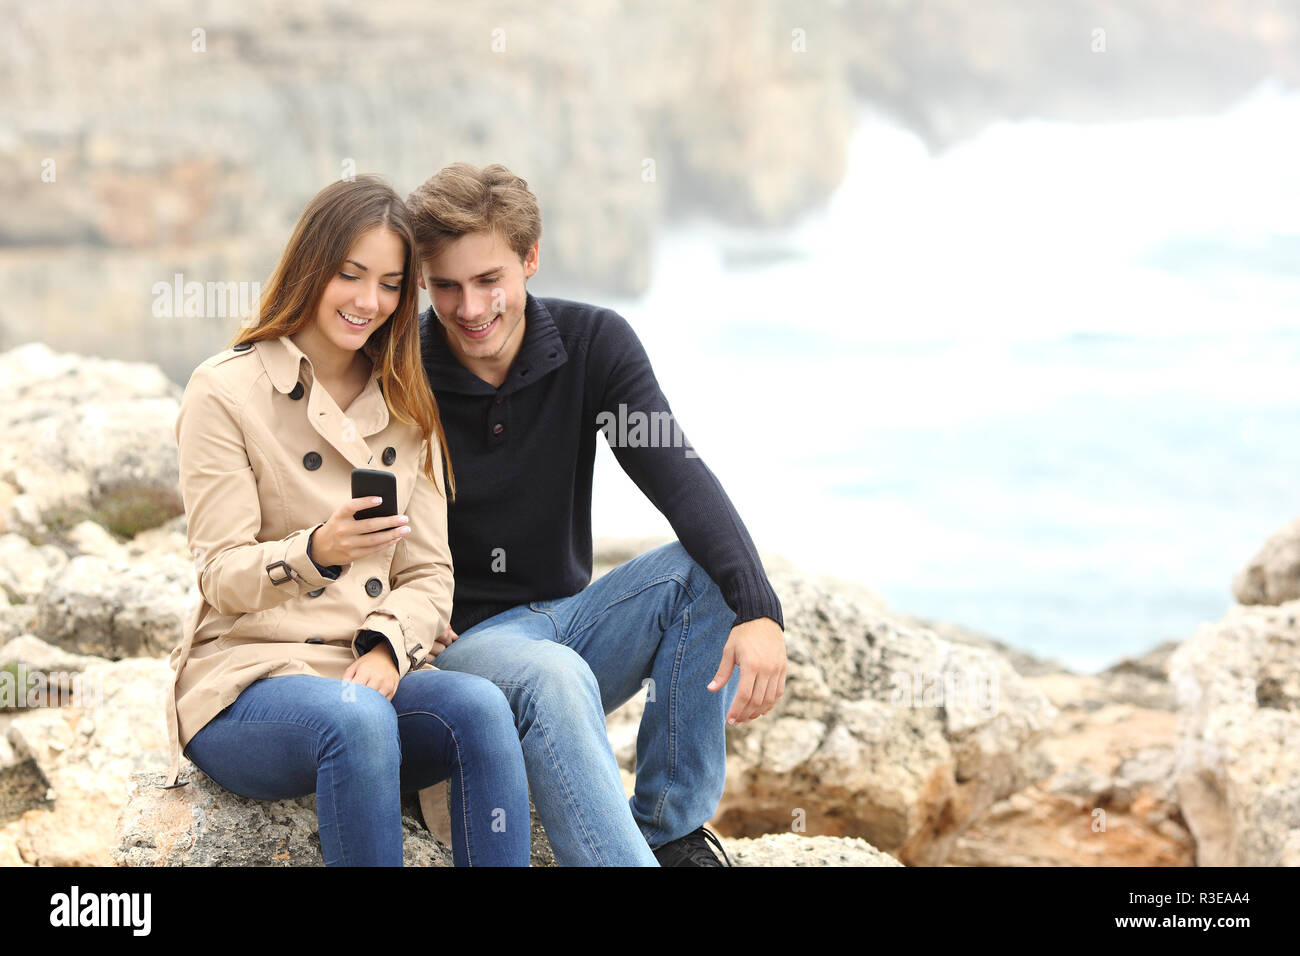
point(1043, 384)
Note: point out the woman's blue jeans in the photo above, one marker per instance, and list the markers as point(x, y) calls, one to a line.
point(296, 734)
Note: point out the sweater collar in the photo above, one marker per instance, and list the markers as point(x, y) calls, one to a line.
point(540, 354)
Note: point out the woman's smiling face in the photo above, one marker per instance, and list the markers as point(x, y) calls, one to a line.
point(365, 291)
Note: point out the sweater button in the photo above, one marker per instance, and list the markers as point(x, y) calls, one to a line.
point(297, 392)
point(390, 455)
point(311, 461)
point(374, 587)
point(498, 428)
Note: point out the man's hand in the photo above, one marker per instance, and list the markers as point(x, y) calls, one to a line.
point(757, 647)
point(443, 641)
point(375, 668)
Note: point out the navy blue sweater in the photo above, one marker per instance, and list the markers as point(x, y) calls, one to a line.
point(520, 526)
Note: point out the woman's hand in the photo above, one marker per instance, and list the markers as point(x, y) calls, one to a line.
point(375, 668)
point(344, 538)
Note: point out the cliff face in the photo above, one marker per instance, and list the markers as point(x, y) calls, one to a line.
point(167, 140)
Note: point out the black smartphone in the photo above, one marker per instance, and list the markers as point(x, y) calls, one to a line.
point(373, 483)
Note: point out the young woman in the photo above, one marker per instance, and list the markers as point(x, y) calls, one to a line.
point(305, 666)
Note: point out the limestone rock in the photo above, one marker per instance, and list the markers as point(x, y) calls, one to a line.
point(16, 620)
point(91, 538)
point(168, 539)
point(85, 437)
point(25, 567)
point(1026, 665)
point(36, 655)
point(790, 849)
point(1273, 575)
point(884, 732)
point(203, 824)
point(1238, 752)
point(1142, 681)
point(1108, 797)
point(121, 608)
point(87, 754)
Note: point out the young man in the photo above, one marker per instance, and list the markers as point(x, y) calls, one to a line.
point(523, 384)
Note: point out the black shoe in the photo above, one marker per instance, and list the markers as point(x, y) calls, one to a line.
point(692, 850)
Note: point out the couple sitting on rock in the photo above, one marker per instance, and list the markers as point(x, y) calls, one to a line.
point(307, 665)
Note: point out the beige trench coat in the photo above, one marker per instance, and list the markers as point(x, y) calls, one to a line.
point(265, 459)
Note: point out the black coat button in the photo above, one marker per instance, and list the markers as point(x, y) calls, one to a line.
point(390, 455)
point(374, 587)
point(498, 400)
point(315, 640)
point(297, 392)
point(311, 461)
point(242, 346)
point(498, 428)
point(317, 593)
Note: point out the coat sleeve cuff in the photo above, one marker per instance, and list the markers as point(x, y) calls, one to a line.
point(306, 573)
point(366, 641)
point(332, 571)
point(392, 632)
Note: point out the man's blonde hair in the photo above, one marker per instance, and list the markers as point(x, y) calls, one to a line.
point(461, 199)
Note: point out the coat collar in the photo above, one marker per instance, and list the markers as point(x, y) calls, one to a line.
point(367, 415)
point(540, 354)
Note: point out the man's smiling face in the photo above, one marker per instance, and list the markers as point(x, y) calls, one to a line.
point(476, 286)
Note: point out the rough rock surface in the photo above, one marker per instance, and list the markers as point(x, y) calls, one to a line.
point(789, 849)
point(16, 620)
point(86, 755)
point(1024, 664)
point(203, 824)
point(1238, 753)
point(125, 607)
point(166, 539)
point(1109, 799)
point(1005, 759)
point(34, 654)
point(884, 732)
point(1105, 796)
point(1273, 575)
point(84, 438)
point(25, 567)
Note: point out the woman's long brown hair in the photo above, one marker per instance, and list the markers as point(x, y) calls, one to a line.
point(327, 229)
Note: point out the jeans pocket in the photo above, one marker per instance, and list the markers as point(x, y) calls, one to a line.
point(547, 608)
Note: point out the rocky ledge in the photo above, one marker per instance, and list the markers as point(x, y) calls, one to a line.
point(897, 740)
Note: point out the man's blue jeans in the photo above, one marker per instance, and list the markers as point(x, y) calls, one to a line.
point(358, 752)
point(563, 664)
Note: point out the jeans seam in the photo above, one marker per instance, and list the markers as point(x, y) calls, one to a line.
point(460, 772)
point(592, 847)
point(550, 615)
point(679, 653)
point(334, 799)
point(671, 576)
